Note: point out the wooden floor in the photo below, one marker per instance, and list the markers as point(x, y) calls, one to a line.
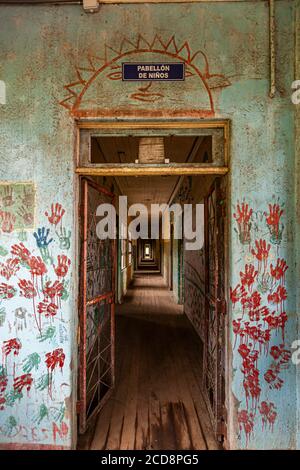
point(157, 402)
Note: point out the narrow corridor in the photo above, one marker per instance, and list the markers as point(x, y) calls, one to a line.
point(157, 402)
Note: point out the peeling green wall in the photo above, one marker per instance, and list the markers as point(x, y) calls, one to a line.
point(226, 50)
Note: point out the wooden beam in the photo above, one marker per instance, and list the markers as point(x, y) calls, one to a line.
point(40, 2)
point(37, 2)
point(181, 1)
point(151, 170)
point(205, 124)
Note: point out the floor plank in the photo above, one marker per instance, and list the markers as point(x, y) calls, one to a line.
point(157, 402)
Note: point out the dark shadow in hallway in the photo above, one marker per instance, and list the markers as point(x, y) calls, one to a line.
point(157, 402)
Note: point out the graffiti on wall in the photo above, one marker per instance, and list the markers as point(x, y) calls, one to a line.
point(17, 206)
point(98, 82)
point(259, 315)
point(34, 284)
point(194, 299)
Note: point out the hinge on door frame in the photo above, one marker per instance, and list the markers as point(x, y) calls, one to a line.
point(222, 425)
point(78, 335)
point(221, 430)
point(78, 406)
point(222, 308)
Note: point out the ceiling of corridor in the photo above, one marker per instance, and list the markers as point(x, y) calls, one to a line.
point(144, 189)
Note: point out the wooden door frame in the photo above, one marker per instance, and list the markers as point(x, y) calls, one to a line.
point(172, 170)
point(84, 303)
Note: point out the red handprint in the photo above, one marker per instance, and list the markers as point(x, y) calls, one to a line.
point(273, 219)
point(246, 422)
point(52, 291)
point(279, 296)
point(12, 345)
point(261, 254)
point(21, 252)
point(37, 266)
point(278, 352)
point(244, 350)
point(268, 413)
point(262, 250)
point(252, 332)
point(255, 314)
point(63, 263)
point(273, 321)
point(279, 270)
point(251, 302)
point(56, 357)
point(56, 214)
point(8, 221)
point(243, 216)
point(10, 268)
point(7, 291)
point(237, 294)
point(272, 377)
point(248, 277)
point(22, 381)
point(282, 319)
point(275, 352)
point(2, 403)
point(237, 327)
point(251, 384)
point(27, 289)
point(3, 383)
point(49, 309)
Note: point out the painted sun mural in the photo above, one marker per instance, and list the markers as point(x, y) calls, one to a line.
point(98, 90)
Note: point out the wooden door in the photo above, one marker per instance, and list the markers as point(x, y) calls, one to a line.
point(97, 302)
point(215, 308)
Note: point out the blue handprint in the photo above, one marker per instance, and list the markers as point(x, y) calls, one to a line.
point(42, 237)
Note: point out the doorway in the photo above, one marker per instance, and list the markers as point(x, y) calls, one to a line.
point(174, 338)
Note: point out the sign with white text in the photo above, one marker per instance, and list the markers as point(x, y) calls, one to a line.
point(146, 71)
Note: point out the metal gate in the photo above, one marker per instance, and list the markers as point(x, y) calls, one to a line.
point(96, 309)
point(215, 308)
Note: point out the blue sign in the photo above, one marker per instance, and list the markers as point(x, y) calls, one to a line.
point(148, 71)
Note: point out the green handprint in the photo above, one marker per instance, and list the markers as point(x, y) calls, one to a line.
point(48, 334)
point(31, 362)
point(46, 256)
point(57, 414)
point(64, 239)
point(3, 251)
point(9, 426)
point(43, 382)
point(2, 316)
point(41, 414)
point(22, 236)
point(65, 293)
point(12, 396)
